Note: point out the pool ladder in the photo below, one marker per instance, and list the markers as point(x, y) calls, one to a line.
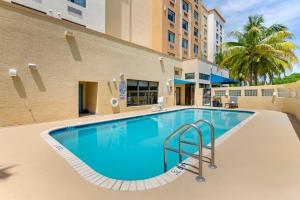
point(181, 131)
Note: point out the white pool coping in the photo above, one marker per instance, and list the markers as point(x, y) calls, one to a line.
point(105, 182)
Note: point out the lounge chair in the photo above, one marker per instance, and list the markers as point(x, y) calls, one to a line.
point(233, 102)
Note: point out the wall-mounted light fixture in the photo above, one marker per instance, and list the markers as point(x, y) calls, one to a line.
point(114, 80)
point(121, 75)
point(160, 59)
point(12, 72)
point(69, 34)
point(32, 66)
point(274, 94)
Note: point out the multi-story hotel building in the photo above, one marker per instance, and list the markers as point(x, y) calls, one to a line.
point(184, 29)
point(181, 28)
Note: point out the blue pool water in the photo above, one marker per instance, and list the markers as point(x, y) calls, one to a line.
point(132, 148)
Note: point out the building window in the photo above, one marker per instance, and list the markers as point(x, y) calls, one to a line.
point(221, 28)
point(190, 76)
point(185, 43)
point(204, 86)
point(267, 92)
point(234, 93)
point(220, 93)
point(196, 1)
point(171, 16)
point(171, 37)
point(185, 6)
point(283, 92)
point(217, 48)
point(196, 32)
point(185, 25)
point(217, 36)
point(196, 15)
point(196, 49)
point(141, 92)
point(79, 2)
point(250, 93)
point(205, 45)
point(204, 77)
point(221, 39)
point(217, 24)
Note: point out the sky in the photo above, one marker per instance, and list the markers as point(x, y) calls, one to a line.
point(285, 12)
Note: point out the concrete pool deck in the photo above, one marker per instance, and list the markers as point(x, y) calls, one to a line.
point(259, 161)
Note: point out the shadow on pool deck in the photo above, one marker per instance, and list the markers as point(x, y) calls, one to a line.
point(295, 123)
point(4, 171)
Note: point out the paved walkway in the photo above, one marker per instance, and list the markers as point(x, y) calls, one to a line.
point(260, 161)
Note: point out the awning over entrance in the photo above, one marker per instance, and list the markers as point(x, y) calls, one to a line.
point(216, 79)
point(179, 82)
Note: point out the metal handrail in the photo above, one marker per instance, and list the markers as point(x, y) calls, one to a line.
point(212, 142)
point(184, 128)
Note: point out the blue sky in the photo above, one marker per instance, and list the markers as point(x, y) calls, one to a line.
point(236, 13)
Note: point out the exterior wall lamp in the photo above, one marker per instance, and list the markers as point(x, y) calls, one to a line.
point(32, 66)
point(12, 72)
point(69, 34)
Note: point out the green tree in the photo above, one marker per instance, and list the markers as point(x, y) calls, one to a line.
point(259, 51)
point(288, 79)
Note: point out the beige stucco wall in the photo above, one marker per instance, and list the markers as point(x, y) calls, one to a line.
point(51, 91)
point(289, 104)
point(130, 20)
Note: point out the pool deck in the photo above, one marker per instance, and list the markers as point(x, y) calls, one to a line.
point(259, 161)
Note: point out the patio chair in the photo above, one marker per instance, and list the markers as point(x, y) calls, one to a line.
point(233, 102)
point(160, 101)
point(159, 105)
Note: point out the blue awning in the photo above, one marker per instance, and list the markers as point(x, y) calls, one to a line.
point(216, 79)
point(179, 81)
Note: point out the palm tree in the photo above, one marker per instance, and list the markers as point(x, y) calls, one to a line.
point(259, 51)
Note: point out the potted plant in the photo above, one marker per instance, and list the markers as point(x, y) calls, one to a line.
point(216, 102)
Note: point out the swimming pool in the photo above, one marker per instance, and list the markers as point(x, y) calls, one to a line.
point(132, 148)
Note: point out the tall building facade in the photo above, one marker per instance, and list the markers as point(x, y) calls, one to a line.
point(88, 13)
point(185, 29)
point(216, 24)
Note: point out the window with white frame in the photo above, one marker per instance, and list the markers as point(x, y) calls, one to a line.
point(196, 32)
point(171, 37)
point(185, 6)
point(185, 43)
point(190, 76)
point(234, 93)
point(283, 92)
point(267, 92)
point(250, 93)
point(171, 16)
point(79, 2)
point(185, 25)
point(220, 93)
